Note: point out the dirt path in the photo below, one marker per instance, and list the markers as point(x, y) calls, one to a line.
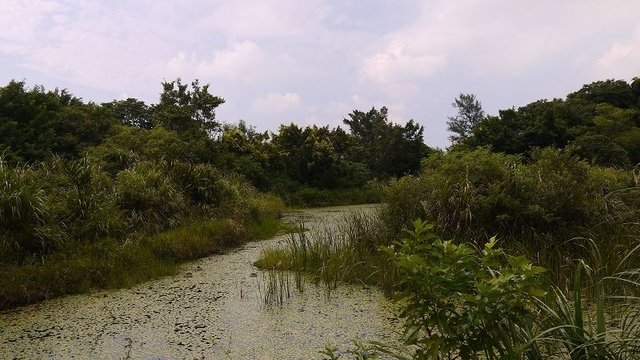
point(213, 309)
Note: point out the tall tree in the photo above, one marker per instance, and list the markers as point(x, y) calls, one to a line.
point(187, 112)
point(387, 149)
point(35, 123)
point(470, 113)
point(132, 112)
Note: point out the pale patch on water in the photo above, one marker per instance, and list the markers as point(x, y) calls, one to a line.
point(214, 309)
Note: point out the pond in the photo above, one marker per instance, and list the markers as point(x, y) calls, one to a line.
point(213, 309)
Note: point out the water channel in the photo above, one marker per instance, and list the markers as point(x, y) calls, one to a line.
point(213, 309)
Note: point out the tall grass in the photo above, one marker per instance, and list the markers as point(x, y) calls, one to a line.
point(67, 226)
point(333, 256)
point(600, 316)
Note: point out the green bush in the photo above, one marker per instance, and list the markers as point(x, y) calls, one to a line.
point(470, 194)
point(463, 302)
point(545, 207)
point(202, 183)
point(478, 194)
point(80, 200)
point(149, 198)
point(404, 202)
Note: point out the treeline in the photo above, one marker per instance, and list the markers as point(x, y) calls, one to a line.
point(600, 123)
point(36, 124)
point(107, 195)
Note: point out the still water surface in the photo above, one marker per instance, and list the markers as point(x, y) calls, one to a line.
point(214, 309)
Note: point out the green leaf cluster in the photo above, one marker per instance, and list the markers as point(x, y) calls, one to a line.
point(462, 302)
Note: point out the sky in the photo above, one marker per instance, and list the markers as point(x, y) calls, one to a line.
point(315, 61)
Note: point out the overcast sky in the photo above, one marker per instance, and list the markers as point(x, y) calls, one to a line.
point(314, 61)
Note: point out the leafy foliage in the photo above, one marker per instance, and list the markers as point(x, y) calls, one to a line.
point(460, 302)
point(600, 122)
point(187, 112)
point(385, 148)
point(35, 123)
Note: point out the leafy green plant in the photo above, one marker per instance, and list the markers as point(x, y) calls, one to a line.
point(460, 302)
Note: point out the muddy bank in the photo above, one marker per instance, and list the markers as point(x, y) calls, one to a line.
point(214, 309)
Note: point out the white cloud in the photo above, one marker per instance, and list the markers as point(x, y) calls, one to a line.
point(493, 37)
point(412, 55)
point(276, 103)
point(240, 61)
point(617, 53)
point(622, 59)
point(397, 63)
point(265, 18)
point(20, 21)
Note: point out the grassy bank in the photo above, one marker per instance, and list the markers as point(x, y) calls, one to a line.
point(108, 263)
point(67, 226)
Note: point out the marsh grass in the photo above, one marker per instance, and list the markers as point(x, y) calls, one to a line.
point(197, 239)
point(278, 286)
point(346, 254)
point(599, 317)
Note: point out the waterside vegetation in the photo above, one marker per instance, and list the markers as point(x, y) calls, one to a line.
point(527, 243)
point(478, 294)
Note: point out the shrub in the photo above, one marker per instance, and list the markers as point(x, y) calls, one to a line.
point(80, 199)
point(477, 194)
point(202, 183)
point(463, 302)
point(149, 198)
point(404, 201)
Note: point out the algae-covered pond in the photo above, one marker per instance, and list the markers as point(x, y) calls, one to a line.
point(214, 309)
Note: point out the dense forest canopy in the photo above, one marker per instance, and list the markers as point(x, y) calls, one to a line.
point(599, 123)
point(37, 123)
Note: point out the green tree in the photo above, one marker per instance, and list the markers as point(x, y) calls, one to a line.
point(132, 112)
point(187, 112)
point(541, 123)
point(470, 113)
point(386, 148)
point(35, 123)
point(600, 150)
point(614, 92)
point(242, 149)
